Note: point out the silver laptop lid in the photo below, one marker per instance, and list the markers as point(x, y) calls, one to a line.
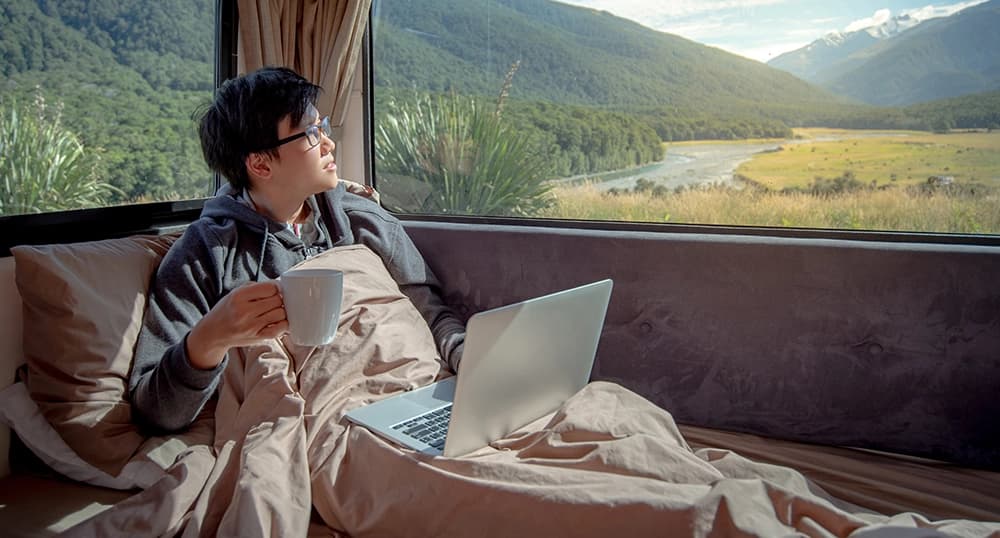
point(524, 360)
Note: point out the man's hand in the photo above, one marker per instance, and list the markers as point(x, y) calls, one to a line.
point(248, 315)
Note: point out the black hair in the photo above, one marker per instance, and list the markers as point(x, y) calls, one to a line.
point(243, 118)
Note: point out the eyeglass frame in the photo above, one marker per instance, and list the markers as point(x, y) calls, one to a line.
point(323, 128)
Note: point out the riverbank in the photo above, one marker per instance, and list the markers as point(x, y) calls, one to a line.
point(684, 165)
point(878, 158)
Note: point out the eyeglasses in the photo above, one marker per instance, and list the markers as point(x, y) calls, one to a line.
point(312, 134)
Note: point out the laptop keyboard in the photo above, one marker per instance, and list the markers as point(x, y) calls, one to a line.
point(431, 428)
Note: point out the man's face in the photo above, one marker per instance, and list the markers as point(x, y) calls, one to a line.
point(303, 169)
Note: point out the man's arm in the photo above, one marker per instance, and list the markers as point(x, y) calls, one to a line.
point(190, 324)
point(166, 390)
point(420, 284)
point(448, 330)
point(384, 234)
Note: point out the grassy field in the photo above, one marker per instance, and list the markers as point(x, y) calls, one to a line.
point(899, 164)
point(894, 157)
point(893, 209)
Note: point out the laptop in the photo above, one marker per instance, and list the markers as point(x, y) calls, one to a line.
point(520, 362)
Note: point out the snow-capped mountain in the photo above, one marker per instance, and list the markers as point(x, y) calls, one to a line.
point(811, 61)
point(908, 59)
point(894, 26)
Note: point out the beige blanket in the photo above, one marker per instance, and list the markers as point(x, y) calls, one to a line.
point(607, 463)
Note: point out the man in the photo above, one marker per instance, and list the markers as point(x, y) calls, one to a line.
point(214, 289)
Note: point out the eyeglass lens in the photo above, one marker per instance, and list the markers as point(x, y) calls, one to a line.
point(313, 131)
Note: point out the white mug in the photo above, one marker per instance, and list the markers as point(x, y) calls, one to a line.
point(312, 300)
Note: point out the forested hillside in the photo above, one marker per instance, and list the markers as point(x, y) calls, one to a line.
point(980, 110)
point(571, 57)
point(127, 76)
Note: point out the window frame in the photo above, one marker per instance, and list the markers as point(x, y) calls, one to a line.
point(907, 237)
point(160, 217)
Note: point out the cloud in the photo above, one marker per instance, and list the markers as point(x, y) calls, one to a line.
point(880, 17)
point(745, 37)
point(929, 11)
point(731, 25)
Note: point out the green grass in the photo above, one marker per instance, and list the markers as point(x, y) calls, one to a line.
point(880, 158)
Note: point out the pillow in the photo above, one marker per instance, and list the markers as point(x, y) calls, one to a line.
point(18, 411)
point(83, 305)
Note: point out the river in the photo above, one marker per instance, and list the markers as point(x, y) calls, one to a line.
point(710, 163)
point(683, 165)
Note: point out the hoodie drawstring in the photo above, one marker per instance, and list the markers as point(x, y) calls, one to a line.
point(263, 251)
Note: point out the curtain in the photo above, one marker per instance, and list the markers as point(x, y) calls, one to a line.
point(320, 39)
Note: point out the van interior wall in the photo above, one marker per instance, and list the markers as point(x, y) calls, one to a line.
point(886, 346)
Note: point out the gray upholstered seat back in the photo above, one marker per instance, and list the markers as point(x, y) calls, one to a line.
point(877, 345)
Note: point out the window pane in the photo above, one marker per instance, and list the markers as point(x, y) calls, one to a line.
point(808, 114)
point(96, 102)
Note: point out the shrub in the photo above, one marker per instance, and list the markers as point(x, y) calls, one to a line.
point(453, 155)
point(823, 187)
point(43, 166)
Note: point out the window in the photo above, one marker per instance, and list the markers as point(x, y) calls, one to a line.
point(97, 99)
point(817, 115)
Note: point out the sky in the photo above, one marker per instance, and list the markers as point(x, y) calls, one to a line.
point(764, 29)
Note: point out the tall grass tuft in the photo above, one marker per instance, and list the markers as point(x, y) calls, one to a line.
point(461, 156)
point(43, 166)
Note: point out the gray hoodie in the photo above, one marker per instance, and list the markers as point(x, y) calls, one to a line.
point(232, 244)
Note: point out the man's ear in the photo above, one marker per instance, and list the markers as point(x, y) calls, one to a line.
point(259, 165)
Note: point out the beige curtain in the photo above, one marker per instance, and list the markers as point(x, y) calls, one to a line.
point(320, 39)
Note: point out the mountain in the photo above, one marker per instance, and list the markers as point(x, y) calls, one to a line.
point(941, 58)
point(570, 55)
point(813, 60)
point(907, 60)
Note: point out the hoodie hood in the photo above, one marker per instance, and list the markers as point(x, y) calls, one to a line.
point(226, 205)
point(226, 211)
